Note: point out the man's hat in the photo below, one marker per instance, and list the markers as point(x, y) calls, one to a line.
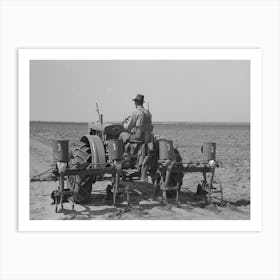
point(139, 97)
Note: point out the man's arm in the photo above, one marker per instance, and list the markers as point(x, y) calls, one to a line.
point(131, 122)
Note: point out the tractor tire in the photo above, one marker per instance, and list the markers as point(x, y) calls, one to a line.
point(176, 178)
point(81, 185)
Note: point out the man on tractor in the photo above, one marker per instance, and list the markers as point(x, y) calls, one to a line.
point(138, 133)
point(138, 125)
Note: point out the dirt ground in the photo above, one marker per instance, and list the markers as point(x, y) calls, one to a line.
point(142, 205)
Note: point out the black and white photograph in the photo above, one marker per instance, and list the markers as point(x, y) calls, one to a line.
point(140, 139)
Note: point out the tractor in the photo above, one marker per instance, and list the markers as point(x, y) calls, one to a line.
point(100, 155)
point(102, 150)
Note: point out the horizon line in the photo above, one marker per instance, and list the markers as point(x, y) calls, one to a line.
point(155, 122)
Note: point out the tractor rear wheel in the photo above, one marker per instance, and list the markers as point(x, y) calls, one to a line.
point(80, 184)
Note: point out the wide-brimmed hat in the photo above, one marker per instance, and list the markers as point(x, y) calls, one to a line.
point(139, 97)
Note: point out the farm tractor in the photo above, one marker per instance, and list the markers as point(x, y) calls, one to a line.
point(100, 155)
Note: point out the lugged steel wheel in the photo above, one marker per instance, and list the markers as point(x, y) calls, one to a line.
point(80, 184)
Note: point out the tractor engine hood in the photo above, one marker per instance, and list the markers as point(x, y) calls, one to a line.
point(107, 129)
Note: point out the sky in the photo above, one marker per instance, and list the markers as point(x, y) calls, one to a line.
point(182, 90)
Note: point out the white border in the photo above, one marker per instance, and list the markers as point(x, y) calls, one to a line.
point(254, 55)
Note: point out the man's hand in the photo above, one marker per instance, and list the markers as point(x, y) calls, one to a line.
point(126, 120)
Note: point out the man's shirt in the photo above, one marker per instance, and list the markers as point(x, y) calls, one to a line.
point(140, 118)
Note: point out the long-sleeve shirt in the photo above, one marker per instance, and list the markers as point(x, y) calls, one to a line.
point(141, 119)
